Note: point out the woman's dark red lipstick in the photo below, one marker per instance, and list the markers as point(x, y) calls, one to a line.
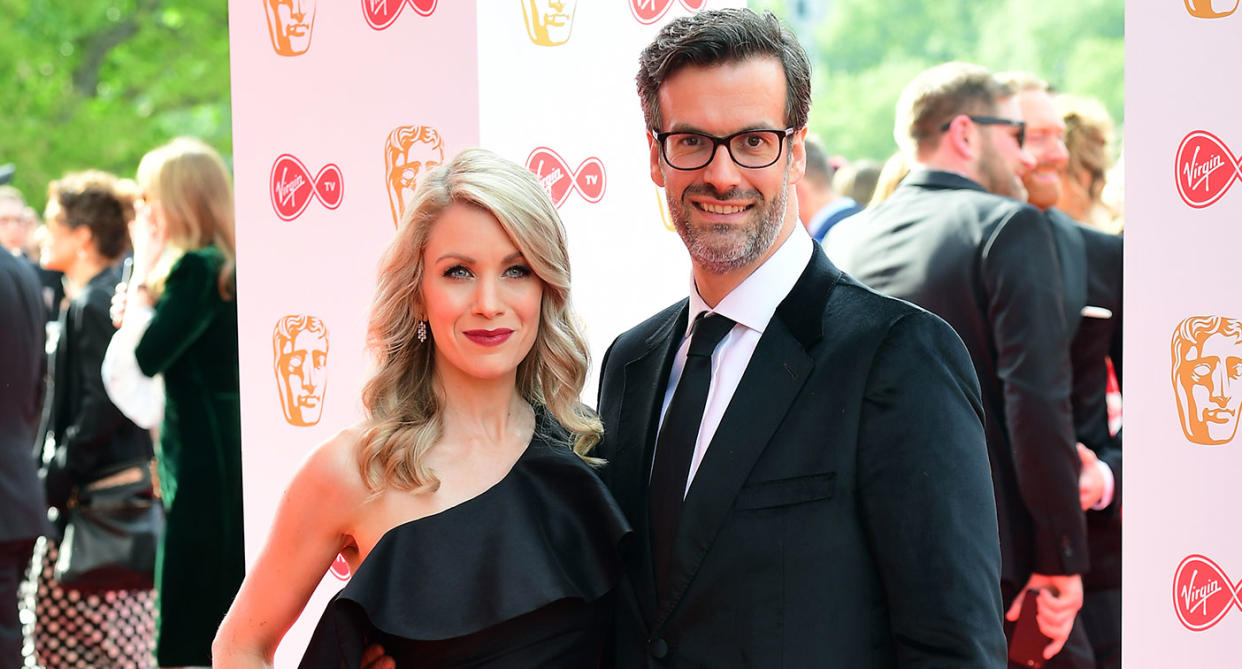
point(489, 337)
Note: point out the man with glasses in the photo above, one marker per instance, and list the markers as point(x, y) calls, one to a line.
point(802, 459)
point(989, 266)
point(1091, 267)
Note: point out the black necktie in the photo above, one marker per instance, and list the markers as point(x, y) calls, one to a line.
point(675, 445)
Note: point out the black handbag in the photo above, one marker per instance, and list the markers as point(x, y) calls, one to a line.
point(113, 526)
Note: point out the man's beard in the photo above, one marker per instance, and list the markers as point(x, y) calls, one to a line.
point(999, 178)
point(723, 248)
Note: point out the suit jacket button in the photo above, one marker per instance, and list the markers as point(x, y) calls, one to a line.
point(658, 648)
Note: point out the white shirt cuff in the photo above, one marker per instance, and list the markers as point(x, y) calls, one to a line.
point(1109, 484)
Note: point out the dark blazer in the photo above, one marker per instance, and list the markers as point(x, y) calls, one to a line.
point(1091, 263)
point(842, 515)
point(23, 513)
point(92, 437)
point(989, 266)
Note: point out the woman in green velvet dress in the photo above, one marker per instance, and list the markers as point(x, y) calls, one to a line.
point(184, 262)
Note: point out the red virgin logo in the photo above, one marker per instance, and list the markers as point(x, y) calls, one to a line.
point(340, 568)
point(382, 13)
point(1205, 169)
point(647, 12)
point(293, 187)
point(1202, 593)
point(554, 175)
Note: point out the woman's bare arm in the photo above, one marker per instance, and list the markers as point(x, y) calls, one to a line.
point(314, 521)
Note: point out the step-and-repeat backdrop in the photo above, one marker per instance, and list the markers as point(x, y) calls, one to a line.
point(339, 108)
point(1183, 366)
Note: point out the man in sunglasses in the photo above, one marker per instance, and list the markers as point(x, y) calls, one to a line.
point(948, 241)
point(802, 459)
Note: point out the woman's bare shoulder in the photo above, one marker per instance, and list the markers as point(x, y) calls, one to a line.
point(331, 469)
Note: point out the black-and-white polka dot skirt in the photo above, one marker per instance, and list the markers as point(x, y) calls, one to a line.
point(68, 629)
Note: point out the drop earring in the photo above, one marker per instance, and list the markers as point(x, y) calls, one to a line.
point(421, 332)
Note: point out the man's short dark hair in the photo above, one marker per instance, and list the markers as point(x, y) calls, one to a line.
point(818, 170)
point(718, 36)
point(90, 198)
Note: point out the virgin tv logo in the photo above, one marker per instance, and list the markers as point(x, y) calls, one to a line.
point(1210, 9)
point(1205, 169)
point(383, 13)
point(559, 181)
point(1202, 593)
point(293, 187)
point(647, 12)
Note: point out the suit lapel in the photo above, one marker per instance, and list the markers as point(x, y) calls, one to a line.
point(772, 381)
point(646, 378)
point(1072, 253)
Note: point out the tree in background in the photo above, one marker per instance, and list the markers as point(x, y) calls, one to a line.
point(97, 83)
point(865, 51)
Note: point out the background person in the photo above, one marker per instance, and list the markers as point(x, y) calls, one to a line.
point(957, 238)
point(185, 272)
point(820, 206)
point(475, 531)
point(85, 438)
point(22, 366)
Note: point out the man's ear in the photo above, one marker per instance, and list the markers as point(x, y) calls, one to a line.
point(961, 138)
point(657, 170)
point(797, 152)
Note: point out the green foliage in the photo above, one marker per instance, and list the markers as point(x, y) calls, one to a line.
point(868, 50)
point(98, 83)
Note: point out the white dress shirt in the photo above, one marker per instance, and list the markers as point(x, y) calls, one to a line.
point(750, 306)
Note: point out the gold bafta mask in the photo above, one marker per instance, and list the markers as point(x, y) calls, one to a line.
point(1207, 377)
point(1204, 10)
point(290, 22)
point(300, 360)
point(549, 22)
point(410, 151)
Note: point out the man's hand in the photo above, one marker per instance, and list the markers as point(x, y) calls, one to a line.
point(374, 658)
point(1060, 597)
point(1090, 480)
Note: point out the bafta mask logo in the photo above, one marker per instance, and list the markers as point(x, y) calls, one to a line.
point(1202, 593)
point(650, 11)
point(549, 22)
point(554, 174)
point(293, 187)
point(382, 13)
point(1205, 169)
point(1207, 377)
point(662, 200)
point(1204, 9)
point(290, 22)
point(410, 151)
point(300, 360)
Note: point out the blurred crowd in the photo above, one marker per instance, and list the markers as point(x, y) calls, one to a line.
point(119, 411)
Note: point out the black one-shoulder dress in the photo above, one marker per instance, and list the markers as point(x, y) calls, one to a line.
point(519, 576)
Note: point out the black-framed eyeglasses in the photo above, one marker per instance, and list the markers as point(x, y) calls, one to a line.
point(751, 149)
point(994, 120)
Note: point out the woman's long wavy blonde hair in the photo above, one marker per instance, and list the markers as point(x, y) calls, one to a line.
point(402, 400)
point(192, 186)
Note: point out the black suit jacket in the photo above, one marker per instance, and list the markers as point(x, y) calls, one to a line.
point(92, 437)
point(1091, 263)
point(843, 513)
point(989, 266)
point(23, 514)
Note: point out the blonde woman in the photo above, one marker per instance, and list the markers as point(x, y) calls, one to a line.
point(184, 272)
point(464, 503)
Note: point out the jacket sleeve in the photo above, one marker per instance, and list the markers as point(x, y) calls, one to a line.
point(186, 309)
point(88, 433)
point(1025, 302)
point(925, 491)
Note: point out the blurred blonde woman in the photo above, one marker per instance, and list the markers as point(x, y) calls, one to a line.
point(184, 271)
point(1089, 141)
point(464, 502)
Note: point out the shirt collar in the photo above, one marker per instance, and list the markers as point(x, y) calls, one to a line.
point(753, 302)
